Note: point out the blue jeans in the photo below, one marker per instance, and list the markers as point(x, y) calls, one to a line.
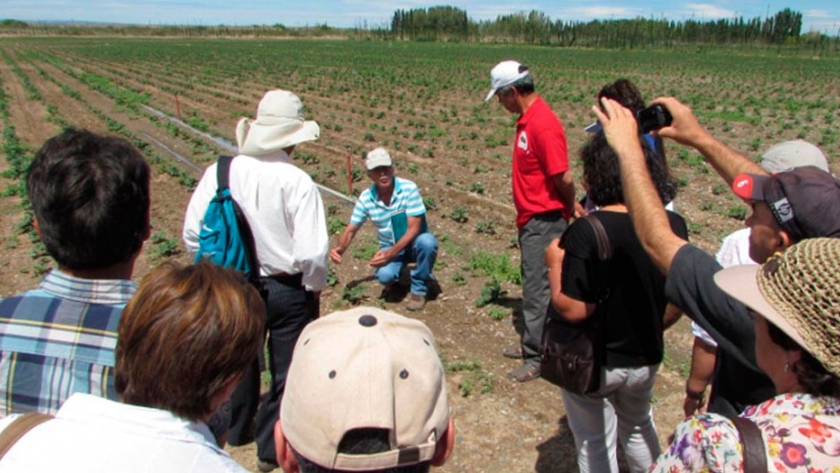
point(422, 250)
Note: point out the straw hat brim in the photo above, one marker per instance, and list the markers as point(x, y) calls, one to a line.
point(741, 282)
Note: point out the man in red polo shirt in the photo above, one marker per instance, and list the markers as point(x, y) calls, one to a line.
point(544, 196)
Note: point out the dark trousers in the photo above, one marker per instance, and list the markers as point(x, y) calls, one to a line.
point(289, 307)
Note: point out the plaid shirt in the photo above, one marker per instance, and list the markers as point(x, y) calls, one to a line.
point(59, 339)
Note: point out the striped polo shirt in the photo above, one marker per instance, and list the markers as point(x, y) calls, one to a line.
point(390, 220)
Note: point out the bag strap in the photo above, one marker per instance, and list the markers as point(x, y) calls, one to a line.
point(752, 445)
point(18, 428)
point(223, 182)
point(604, 247)
point(223, 173)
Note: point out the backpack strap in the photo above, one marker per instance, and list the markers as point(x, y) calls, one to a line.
point(223, 182)
point(223, 173)
point(18, 428)
point(752, 444)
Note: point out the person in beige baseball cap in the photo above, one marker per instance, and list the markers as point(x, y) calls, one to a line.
point(795, 300)
point(366, 392)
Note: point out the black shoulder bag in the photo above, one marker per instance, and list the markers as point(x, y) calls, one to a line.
point(571, 355)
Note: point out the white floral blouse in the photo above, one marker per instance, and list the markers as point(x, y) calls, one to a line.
point(801, 434)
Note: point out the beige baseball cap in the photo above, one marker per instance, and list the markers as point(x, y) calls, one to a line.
point(377, 158)
point(365, 368)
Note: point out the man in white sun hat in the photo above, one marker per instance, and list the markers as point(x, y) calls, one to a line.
point(544, 197)
point(286, 215)
point(366, 392)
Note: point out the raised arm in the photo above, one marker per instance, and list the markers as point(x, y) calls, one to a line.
point(643, 203)
point(686, 130)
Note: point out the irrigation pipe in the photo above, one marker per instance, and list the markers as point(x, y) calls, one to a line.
point(224, 144)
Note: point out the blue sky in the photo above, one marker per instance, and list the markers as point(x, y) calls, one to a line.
point(821, 15)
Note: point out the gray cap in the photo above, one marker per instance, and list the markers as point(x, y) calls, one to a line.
point(793, 154)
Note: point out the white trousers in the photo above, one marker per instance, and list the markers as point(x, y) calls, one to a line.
point(620, 410)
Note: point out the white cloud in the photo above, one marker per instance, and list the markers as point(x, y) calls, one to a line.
point(703, 11)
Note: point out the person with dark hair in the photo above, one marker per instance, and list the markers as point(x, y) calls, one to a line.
point(787, 207)
point(179, 357)
point(794, 298)
point(627, 94)
point(367, 393)
point(284, 210)
point(544, 197)
point(90, 200)
point(629, 294)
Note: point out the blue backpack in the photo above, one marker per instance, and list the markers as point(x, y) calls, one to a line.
point(225, 237)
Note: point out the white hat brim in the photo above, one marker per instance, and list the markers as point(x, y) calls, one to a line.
point(264, 139)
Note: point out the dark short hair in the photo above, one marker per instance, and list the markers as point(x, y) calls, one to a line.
point(811, 374)
point(186, 333)
point(601, 172)
point(362, 441)
point(90, 196)
point(624, 92)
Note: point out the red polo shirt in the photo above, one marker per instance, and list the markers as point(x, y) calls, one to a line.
point(538, 154)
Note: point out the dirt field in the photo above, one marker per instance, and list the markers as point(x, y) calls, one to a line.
point(501, 426)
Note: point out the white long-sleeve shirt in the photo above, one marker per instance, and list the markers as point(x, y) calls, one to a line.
point(284, 210)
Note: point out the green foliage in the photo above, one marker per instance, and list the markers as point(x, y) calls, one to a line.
point(353, 294)
point(430, 203)
point(460, 215)
point(163, 246)
point(491, 292)
point(335, 225)
point(738, 212)
point(496, 266)
point(365, 250)
point(458, 279)
point(477, 187)
point(498, 313)
point(486, 227)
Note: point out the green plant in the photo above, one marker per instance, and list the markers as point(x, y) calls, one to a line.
point(335, 225)
point(737, 211)
point(430, 203)
point(477, 187)
point(460, 215)
point(496, 266)
point(353, 294)
point(458, 279)
point(365, 251)
point(487, 227)
point(163, 246)
point(491, 292)
point(332, 278)
point(498, 313)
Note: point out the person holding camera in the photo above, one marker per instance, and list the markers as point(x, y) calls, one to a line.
point(628, 294)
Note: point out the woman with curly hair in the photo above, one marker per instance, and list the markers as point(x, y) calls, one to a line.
point(795, 298)
point(629, 294)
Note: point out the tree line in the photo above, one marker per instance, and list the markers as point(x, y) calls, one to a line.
point(534, 27)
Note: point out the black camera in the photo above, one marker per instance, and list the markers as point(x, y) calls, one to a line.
point(653, 118)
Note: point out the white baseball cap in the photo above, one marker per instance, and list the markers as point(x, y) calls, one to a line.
point(504, 74)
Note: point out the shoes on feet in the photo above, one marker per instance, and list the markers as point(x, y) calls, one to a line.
point(524, 373)
point(513, 351)
point(416, 302)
